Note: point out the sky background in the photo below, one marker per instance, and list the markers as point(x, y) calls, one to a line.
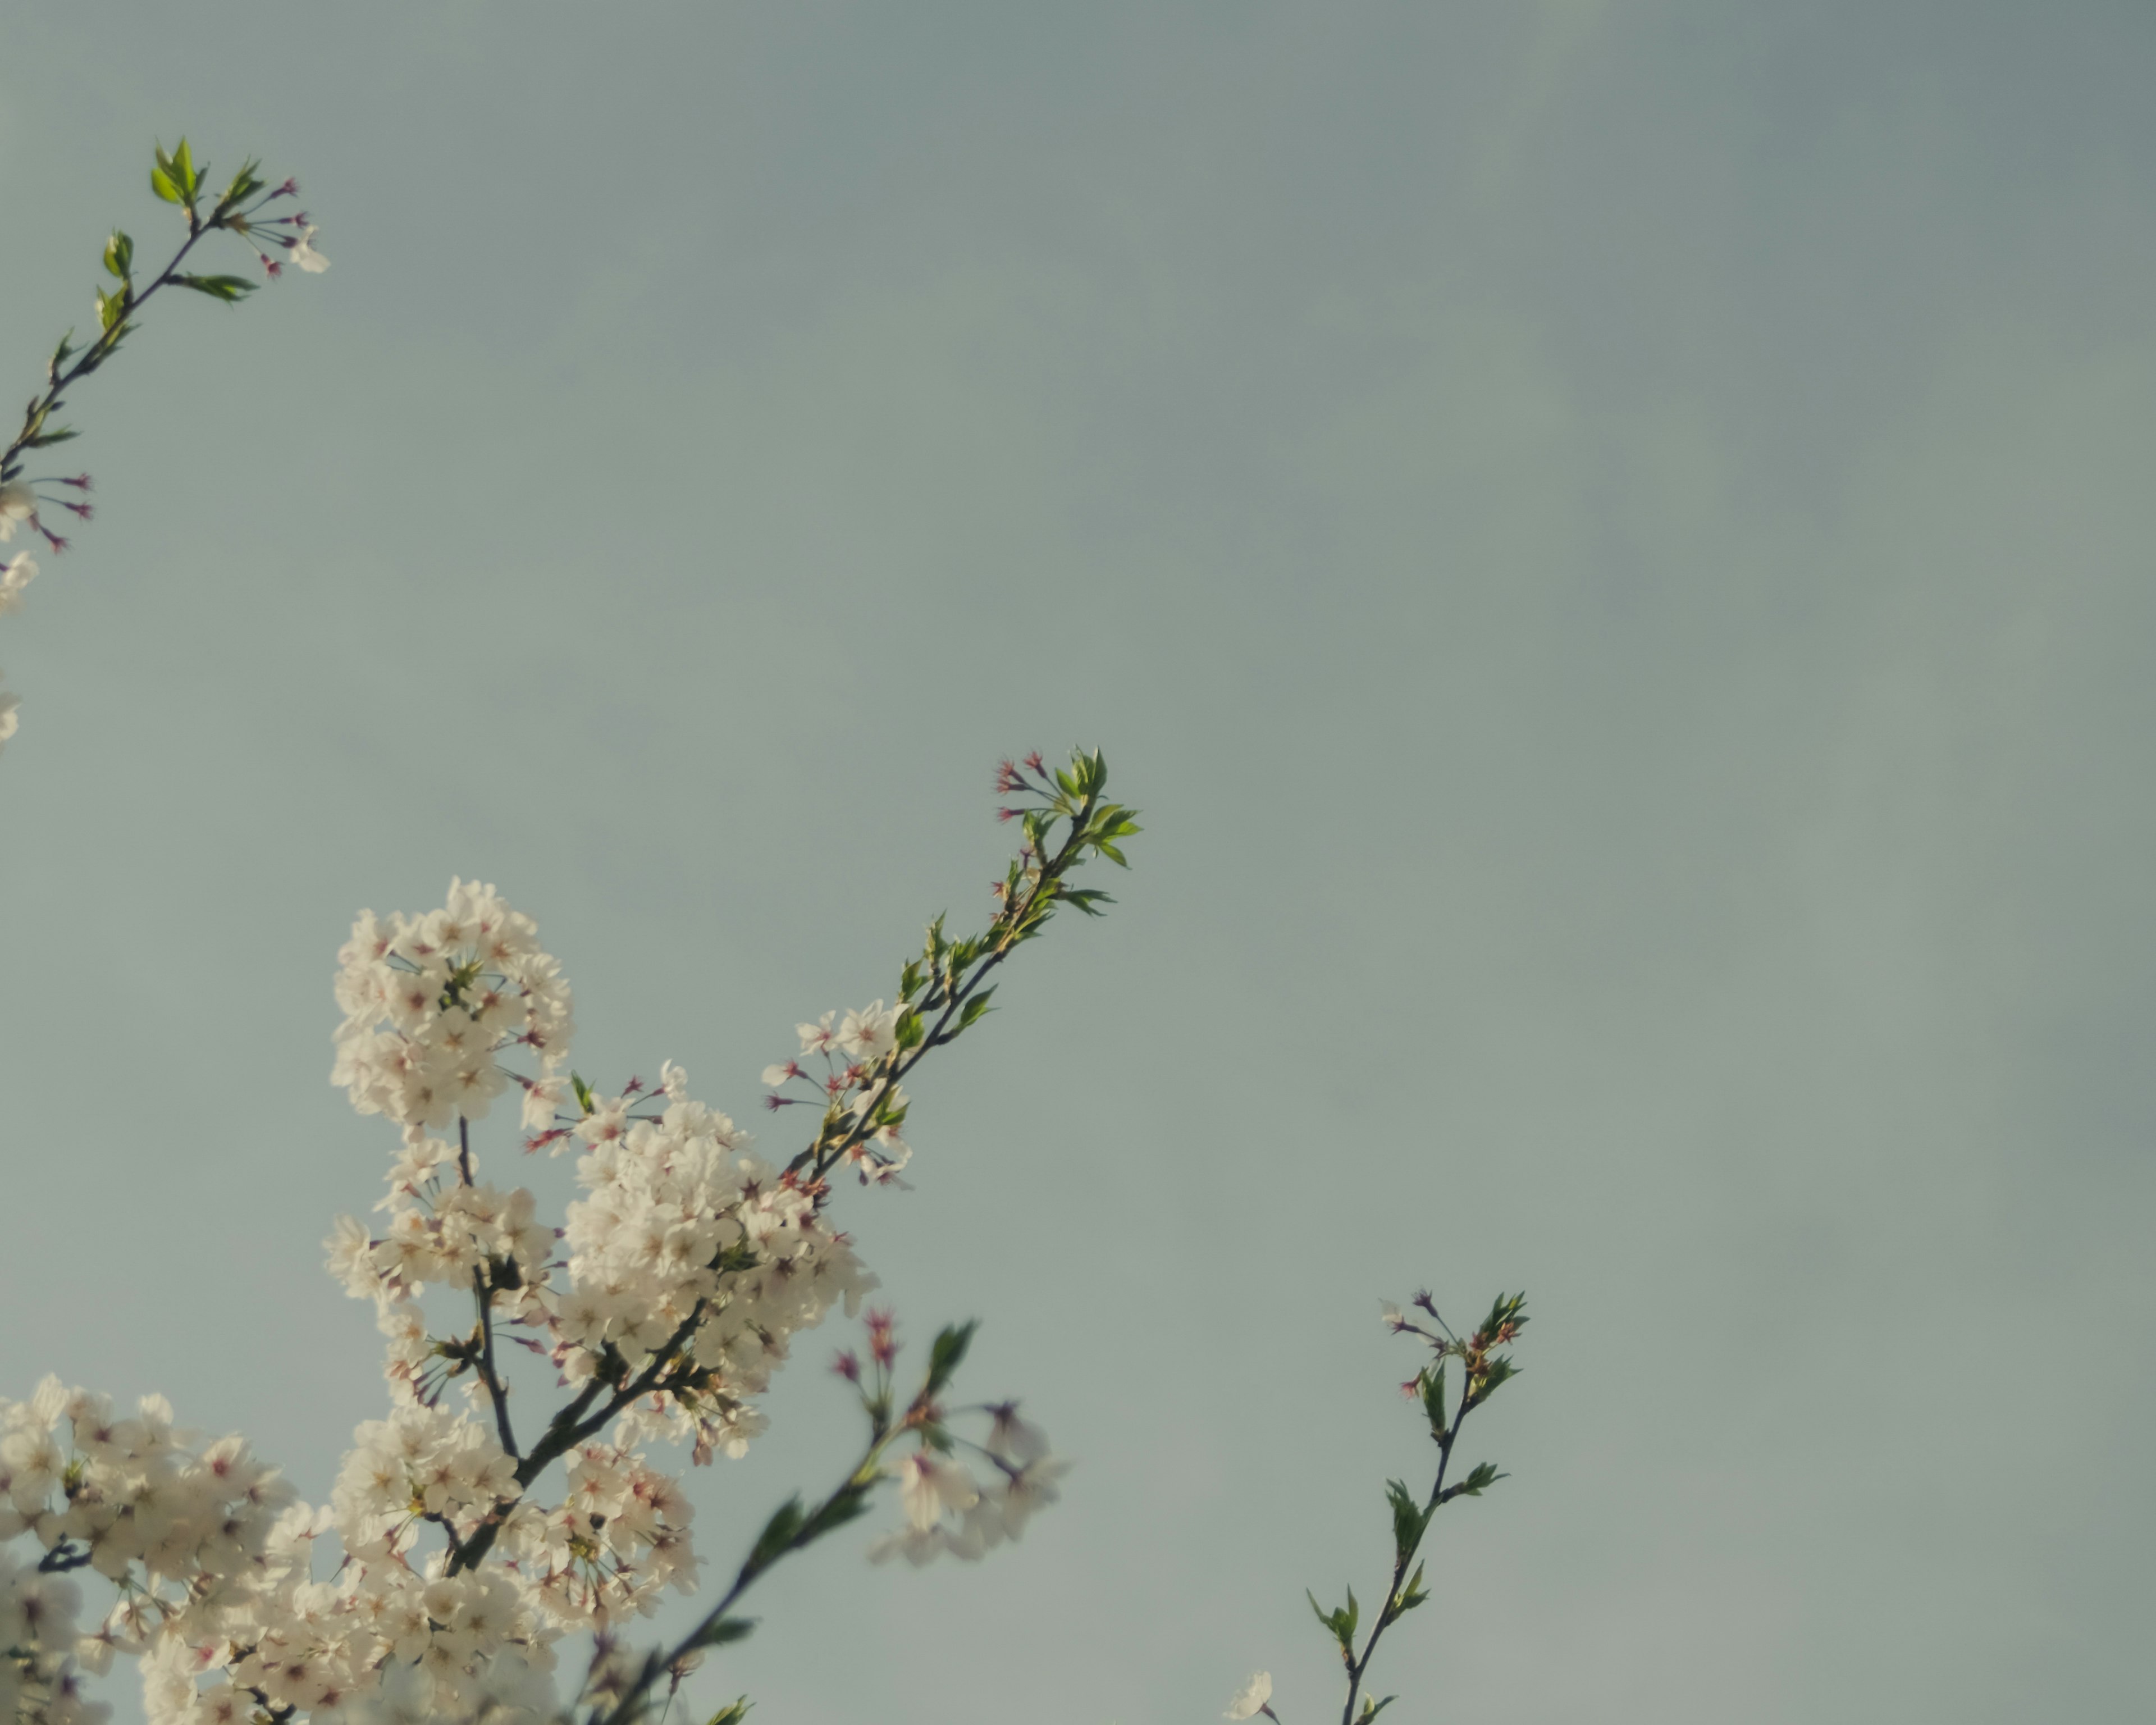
point(1611, 544)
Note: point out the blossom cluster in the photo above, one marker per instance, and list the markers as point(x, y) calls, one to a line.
point(947, 1509)
point(242, 210)
point(853, 1086)
point(430, 1001)
point(196, 1538)
point(456, 1562)
point(686, 1240)
point(18, 503)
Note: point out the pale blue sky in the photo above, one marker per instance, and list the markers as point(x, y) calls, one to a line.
point(1612, 544)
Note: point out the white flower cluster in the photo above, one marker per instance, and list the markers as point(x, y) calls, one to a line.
point(852, 1086)
point(16, 574)
point(18, 503)
point(685, 1239)
point(685, 1268)
point(441, 1231)
point(40, 1679)
point(196, 1538)
point(619, 1537)
point(947, 1509)
point(428, 1002)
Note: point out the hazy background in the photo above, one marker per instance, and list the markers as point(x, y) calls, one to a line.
point(1611, 544)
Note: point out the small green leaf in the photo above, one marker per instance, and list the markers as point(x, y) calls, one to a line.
point(244, 184)
point(950, 1348)
point(1371, 1709)
point(120, 254)
point(583, 1091)
point(847, 1504)
point(161, 183)
point(45, 439)
point(1409, 1519)
point(1433, 1397)
point(230, 289)
point(1412, 1594)
point(778, 1535)
point(725, 1630)
point(183, 172)
point(731, 1715)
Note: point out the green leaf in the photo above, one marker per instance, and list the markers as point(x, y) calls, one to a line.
point(230, 289)
point(244, 184)
point(183, 172)
point(1433, 1398)
point(1484, 1477)
point(1341, 1624)
point(583, 1093)
point(1371, 1709)
point(974, 1007)
point(950, 1348)
point(731, 1715)
point(725, 1630)
point(111, 307)
point(1496, 1371)
point(1409, 1519)
point(1505, 1309)
point(46, 439)
point(120, 254)
point(778, 1535)
point(162, 181)
point(1411, 1595)
point(847, 1504)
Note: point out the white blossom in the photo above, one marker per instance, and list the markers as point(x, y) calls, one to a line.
point(17, 572)
point(1251, 1698)
point(18, 503)
point(868, 1034)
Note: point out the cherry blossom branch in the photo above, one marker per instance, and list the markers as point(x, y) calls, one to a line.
point(790, 1529)
point(175, 180)
point(946, 981)
point(570, 1427)
point(1482, 1371)
point(484, 1363)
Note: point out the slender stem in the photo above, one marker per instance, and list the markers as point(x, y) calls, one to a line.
point(1356, 1668)
point(489, 1375)
point(99, 351)
point(221, 216)
point(752, 1568)
point(578, 1421)
point(821, 1156)
point(572, 1426)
